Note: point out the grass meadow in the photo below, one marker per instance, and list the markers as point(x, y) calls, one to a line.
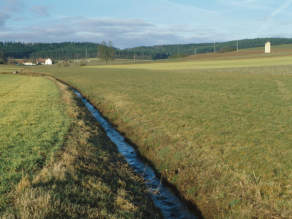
point(202, 64)
point(222, 135)
point(57, 162)
point(32, 127)
point(8, 68)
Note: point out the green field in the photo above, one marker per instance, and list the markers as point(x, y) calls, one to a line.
point(204, 64)
point(8, 68)
point(220, 133)
point(32, 128)
point(57, 162)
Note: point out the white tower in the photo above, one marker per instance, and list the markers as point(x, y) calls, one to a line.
point(268, 47)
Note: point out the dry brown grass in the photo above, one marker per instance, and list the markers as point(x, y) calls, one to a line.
point(88, 178)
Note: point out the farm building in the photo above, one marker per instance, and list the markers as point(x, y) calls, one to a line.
point(29, 62)
point(41, 61)
point(268, 47)
point(48, 62)
point(15, 62)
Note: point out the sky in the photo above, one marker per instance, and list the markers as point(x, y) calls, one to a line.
point(132, 23)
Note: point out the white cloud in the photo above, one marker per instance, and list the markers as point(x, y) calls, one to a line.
point(108, 22)
point(165, 22)
point(186, 8)
point(8, 7)
point(123, 32)
point(40, 10)
point(3, 17)
point(281, 8)
point(271, 17)
point(11, 6)
point(19, 18)
point(12, 2)
point(249, 4)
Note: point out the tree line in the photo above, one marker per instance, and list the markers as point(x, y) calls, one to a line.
point(69, 50)
point(180, 50)
point(81, 50)
point(3, 58)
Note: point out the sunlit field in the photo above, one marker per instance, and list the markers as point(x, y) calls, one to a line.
point(8, 68)
point(221, 135)
point(56, 162)
point(32, 128)
point(255, 53)
point(219, 130)
point(183, 65)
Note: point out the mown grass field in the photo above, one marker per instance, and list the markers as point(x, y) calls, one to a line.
point(204, 64)
point(32, 127)
point(57, 162)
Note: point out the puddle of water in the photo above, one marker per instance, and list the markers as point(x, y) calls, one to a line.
point(170, 205)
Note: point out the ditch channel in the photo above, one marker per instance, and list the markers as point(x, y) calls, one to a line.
point(162, 195)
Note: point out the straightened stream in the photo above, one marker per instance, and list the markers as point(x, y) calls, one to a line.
point(165, 199)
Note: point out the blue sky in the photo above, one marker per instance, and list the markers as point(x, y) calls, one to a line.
point(131, 23)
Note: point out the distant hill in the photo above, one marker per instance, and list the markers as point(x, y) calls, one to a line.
point(74, 50)
point(164, 51)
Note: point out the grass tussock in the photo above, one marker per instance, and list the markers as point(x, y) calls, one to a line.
point(221, 136)
point(87, 178)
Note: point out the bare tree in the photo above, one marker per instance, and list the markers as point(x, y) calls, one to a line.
point(106, 51)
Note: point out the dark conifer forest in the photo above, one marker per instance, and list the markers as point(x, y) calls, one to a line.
point(81, 50)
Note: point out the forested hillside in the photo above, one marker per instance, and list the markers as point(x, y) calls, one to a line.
point(69, 50)
point(164, 51)
point(77, 50)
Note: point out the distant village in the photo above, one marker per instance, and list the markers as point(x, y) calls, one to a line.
point(40, 61)
point(30, 62)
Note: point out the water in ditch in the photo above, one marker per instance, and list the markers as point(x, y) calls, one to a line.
point(170, 205)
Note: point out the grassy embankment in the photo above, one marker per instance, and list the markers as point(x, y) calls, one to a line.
point(56, 162)
point(222, 137)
